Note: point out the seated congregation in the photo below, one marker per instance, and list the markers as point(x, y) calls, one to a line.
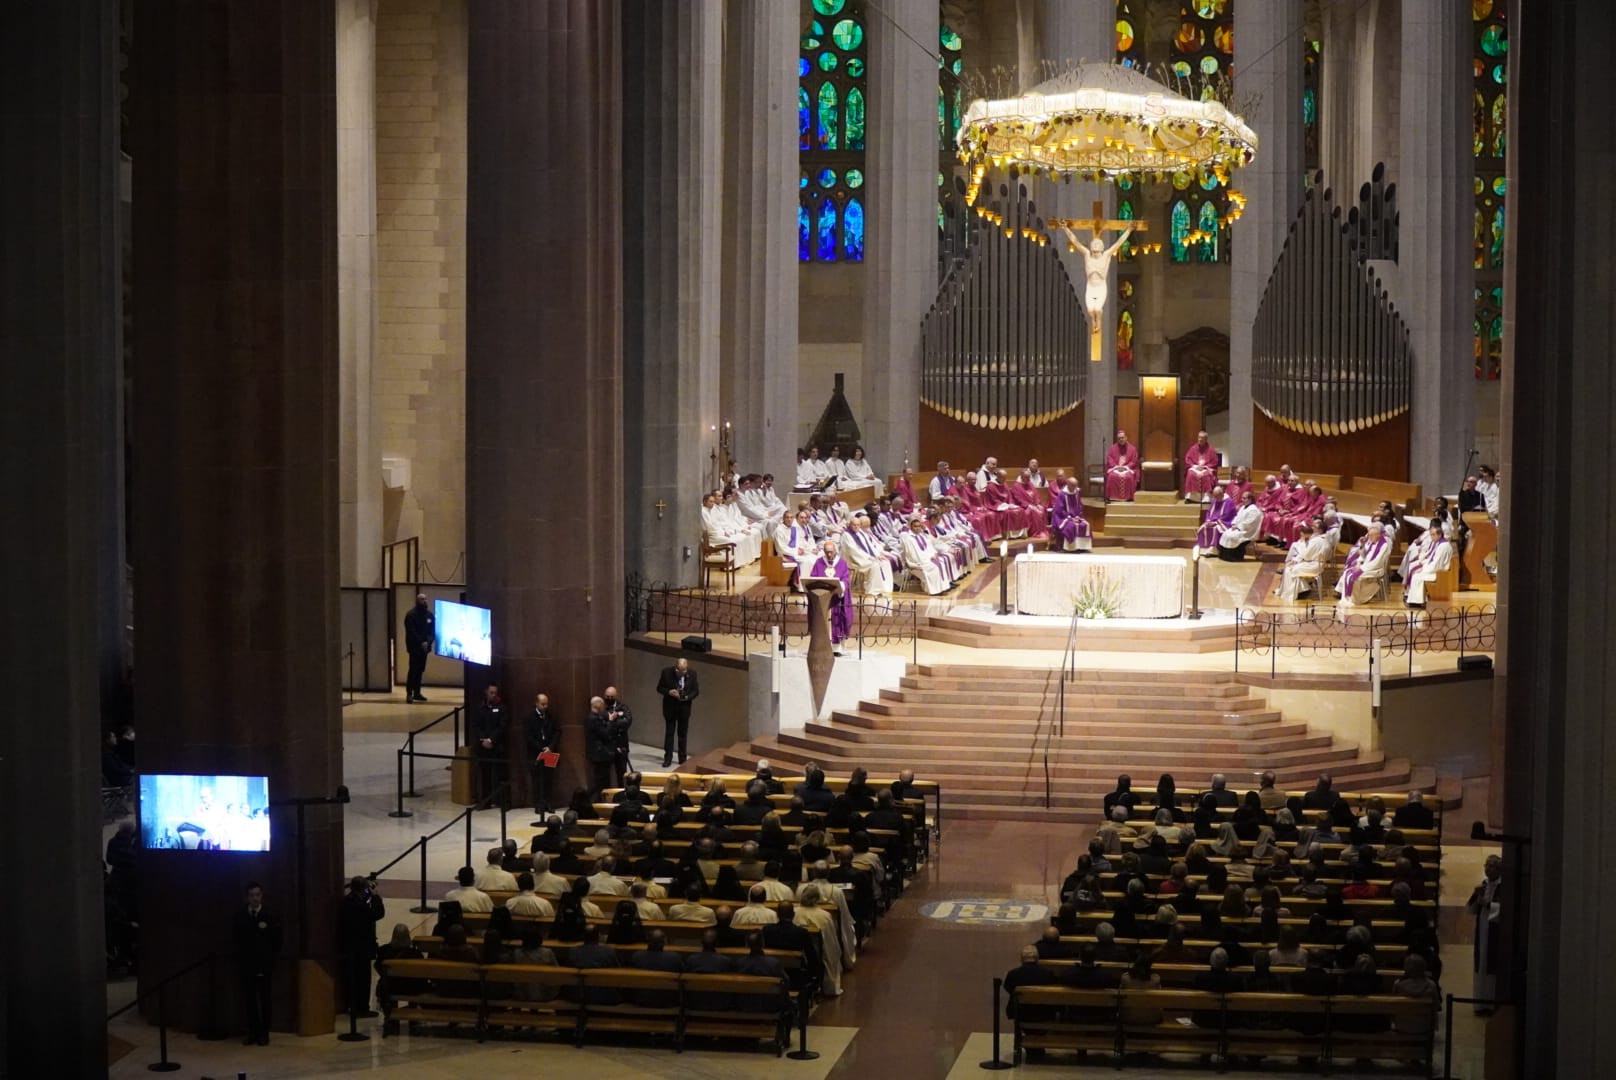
point(1270, 925)
point(673, 911)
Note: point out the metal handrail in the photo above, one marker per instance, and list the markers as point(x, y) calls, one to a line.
point(1068, 668)
point(163, 1064)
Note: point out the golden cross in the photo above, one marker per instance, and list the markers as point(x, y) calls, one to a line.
point(660, 506)
point(1100, 223)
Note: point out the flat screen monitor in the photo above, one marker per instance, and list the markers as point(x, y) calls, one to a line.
point(204, 813)
point(464, 632)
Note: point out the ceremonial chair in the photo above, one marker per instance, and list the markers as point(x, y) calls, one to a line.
point(1158, 465)
point(720, 557)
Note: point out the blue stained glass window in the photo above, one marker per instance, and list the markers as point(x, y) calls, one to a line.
point(802, 232)
point(1180, 216)
point(853, 231)
point(804, 120)
point(802, 66)
point(827, 178)
point(825, 230)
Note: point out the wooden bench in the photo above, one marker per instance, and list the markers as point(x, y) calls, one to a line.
point(580, 1002)
point(774, 569)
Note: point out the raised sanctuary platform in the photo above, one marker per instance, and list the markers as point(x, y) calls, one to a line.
point(979, 626)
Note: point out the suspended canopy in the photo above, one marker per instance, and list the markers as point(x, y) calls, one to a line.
point(1102, 122)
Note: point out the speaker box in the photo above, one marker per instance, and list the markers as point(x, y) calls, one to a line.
point(1475, 663)
point(705, 644)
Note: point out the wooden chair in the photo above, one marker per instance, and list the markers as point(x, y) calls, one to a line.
point(775, 569)
point(720, 557)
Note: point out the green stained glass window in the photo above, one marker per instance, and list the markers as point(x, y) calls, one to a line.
point(829, 127)
point(855, 68)
point(855, 119)
point(827, 61)
point(827, 178)
point(949, 40)
point(847, 34)
point(855, 178)
point(829, 7)
point(1493, 41)
point(1180, 218)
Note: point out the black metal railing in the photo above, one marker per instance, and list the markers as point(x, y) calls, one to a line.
point(1321, 631)
point(656, 608)
point(160, 991)
point(408, 751)
point(501, 792)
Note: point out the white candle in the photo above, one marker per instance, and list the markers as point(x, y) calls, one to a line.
point(1004, 549)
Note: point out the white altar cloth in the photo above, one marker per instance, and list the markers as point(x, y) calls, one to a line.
point(1145, 586)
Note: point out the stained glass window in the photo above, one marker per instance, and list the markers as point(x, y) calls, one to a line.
point(1126, 303)
point(831, 120)
point(1202, 67)
point(1180, 217)
point(1489, 99)
point(1130, 51)
point(951, 228)
point(1311, 51)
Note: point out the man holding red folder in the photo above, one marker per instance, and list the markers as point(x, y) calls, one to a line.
point(542, 740)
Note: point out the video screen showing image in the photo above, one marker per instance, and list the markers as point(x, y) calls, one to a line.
point(204, 813)
point(464, 632)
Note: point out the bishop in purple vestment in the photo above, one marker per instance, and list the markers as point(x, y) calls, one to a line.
point(830, 564)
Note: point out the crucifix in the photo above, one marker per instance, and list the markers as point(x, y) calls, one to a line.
point(660, 506)
point(1096, 262)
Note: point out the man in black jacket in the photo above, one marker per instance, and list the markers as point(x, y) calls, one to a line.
point(785, 935)
point(419, 637)
point(622, 718)
point(258, 942)
point(357, 917)
point(488, 735)
point(599, 745)
point(542, 738)
point(678, 688)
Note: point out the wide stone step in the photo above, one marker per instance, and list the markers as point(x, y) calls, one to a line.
point(1079, 742)
point(935, 684)
point(1097, 762)
point(1231, 726)
point(1074, 711)
point(1171, 678)
point(1075, 693)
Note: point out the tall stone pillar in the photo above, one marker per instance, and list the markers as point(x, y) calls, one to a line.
point(234, 136)
point(1270, 33)
point(672, 115)
point(544, 359)
point(1557, 693)
point(1434, 269)
point(900, 280)
point(359, 453)
point(1074, 32)
point(758, 335)
point(59, 337)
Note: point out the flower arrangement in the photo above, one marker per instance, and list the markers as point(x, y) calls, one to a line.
point(1098, 599)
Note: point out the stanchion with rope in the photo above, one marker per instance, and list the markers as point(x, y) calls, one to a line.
point(162, 1064)
point(425, 908)
point(998, 1062)
point(398, 782)
point(802, 1053)
point(353, 1034)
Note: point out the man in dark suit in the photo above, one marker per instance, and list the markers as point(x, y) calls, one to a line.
point(542, 738)
point(1414, 814)
point(757, 962)
point(656, 957)
point(621, 718)
point(357, 917)
point(258, 942)
point(419, 637)
point(785, 935)
point(678, 687)
point(488, 742)
point(599, 745)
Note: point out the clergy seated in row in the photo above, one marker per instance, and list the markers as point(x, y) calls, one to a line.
point(1220, 511)
point(1427, 558)
point(1010, 520)
point(1121, 470)
point(1200, 470)
point(759, 503)
point(795, 545)
point(827, 516)
point(925, 559)
point(1069, 528)
point(1024, 493)
point(1364, 572)
point(1308, 555)
point(722, 523)
point(872, 566)
point(1300, 504)
point(830, 564)
point(813, 473)
point(956, 535)
point(1241, 531)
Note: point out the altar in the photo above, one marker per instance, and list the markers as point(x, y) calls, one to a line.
point(1135, 586)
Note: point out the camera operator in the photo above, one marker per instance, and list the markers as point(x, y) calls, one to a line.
point(619, 718)
point(357, 917)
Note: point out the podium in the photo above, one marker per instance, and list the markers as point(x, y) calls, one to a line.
point(1480, 553)
point(821, 594)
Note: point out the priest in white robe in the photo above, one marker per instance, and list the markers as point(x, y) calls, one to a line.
point(922, 558)
point(794, 543)
point(868, 558)
point(1304, 562)
point(860, 473)
point(1435, 559)
point(1245, 527)
point(748, 535)
point(1367, 572)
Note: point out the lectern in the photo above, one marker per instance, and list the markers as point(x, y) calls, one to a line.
point(822, 594)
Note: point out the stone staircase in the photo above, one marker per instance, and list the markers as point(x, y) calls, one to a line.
point(981, 731)
point(1161, 516)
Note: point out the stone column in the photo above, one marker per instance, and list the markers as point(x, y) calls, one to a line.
point(1270, 33)
point(672, 112)
point(544, 359)
point(758, 335)
point(1084, 31)
point(234, 124)
point(359, 455)
point(1434, 269)
point(1558, 687)
point(902, 225)
point(59, 337)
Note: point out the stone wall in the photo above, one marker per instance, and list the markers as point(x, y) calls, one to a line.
point(420, 403)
